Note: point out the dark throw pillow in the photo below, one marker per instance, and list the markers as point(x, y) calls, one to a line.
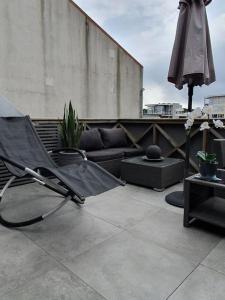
point(91, 140)
point(113, 138)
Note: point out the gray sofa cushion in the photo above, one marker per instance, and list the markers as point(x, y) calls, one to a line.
point(105, 154)
point(113, 138)
point(91, 140)
point(113, 153)
point(130, 152)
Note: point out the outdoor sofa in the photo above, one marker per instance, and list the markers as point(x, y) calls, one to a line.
point(108, 147)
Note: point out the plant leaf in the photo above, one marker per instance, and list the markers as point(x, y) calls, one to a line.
point(201, 155)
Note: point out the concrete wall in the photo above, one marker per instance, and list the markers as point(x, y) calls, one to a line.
point(51, 52)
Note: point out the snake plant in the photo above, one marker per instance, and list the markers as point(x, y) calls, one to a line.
point(71, 128)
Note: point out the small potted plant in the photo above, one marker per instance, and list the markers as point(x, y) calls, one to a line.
point(207, 161)
point(70, 132)
point(207, 164)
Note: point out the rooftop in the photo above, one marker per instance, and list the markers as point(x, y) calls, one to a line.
point(215, 96)
point(127, 243)
point(163, 103)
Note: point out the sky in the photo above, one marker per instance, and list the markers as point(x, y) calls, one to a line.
point(146, 29)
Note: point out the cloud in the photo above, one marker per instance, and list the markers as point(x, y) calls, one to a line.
point(144, 28)
point(218, 30)
point(147, 29)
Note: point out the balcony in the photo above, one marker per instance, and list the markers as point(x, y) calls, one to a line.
point(127, 243)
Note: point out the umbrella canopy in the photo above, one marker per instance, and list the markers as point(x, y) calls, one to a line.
point(192, 59)
point(7, 109)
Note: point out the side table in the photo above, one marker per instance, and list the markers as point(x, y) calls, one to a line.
point(204, 200)
point(157, 175)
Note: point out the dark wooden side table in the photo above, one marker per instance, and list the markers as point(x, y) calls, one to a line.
point(204, 200)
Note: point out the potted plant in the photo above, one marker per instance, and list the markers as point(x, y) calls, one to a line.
point(207, 161)
point(207, 164)
point(70, 132)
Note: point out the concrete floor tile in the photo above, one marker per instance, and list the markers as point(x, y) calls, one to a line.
point(166, 229)
point(68, 235)
point(121, 210)
point(55, 283)
point(216, 258)
point(149, 196)
point(20, 260)
point(127, 268)
point(202, 284)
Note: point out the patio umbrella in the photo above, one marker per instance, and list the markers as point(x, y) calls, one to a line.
point(7, 109)
point(191, 62)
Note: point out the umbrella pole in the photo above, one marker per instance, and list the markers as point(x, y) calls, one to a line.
point(177, 198)
point(188, 138)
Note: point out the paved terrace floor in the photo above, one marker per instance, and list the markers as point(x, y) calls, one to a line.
point(124, 244)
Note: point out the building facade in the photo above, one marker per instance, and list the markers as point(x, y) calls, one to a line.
point(52, 52)
point(163, 110)
point(218, 105)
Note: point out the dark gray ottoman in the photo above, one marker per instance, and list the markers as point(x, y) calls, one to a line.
point(157, 175)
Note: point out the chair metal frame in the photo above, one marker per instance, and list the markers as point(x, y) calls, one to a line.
point(35, 175)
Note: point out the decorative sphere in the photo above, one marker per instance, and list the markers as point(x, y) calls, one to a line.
point(153, 152)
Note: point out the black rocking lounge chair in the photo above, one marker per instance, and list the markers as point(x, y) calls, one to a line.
point(23, 153)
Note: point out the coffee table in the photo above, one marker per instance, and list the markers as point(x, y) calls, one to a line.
point(204, 200)
point(156, 175)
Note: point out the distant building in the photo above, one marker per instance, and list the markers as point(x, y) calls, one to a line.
point(163, 110)
point(218, 104)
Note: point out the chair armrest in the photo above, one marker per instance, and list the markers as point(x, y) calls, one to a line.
point(13, 163)
point(69, 150)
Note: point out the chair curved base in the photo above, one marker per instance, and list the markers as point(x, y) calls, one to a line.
point(40, 218)
point(20, 224)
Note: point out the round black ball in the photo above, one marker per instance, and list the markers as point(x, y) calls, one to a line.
point(153, 152)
